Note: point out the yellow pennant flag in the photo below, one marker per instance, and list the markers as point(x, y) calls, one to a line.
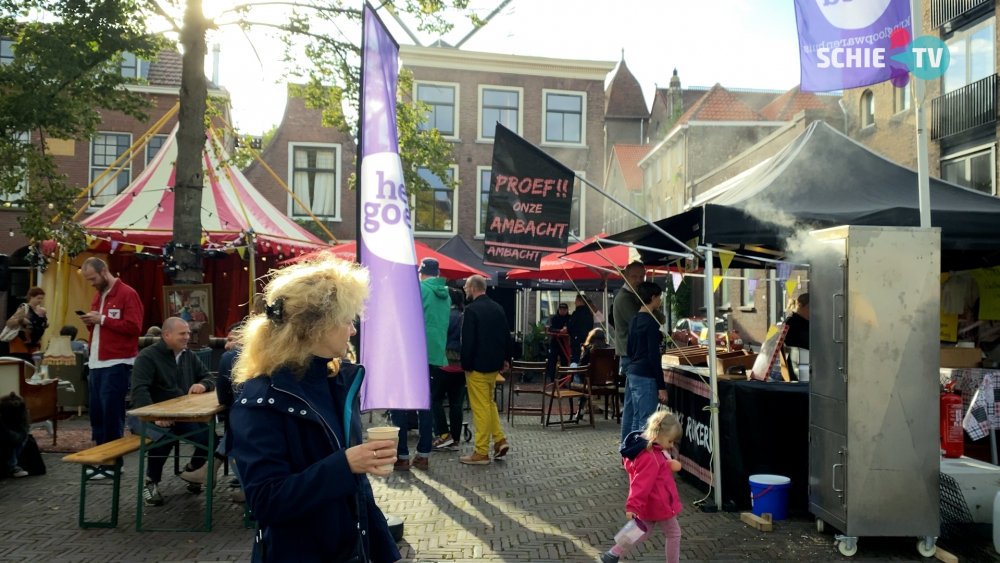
point(790, 286)
point(725, 259)
point(139, 247)
point(704, 334)
point(771, 332)
point(242, 250)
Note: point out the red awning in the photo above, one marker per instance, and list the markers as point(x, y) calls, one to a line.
point(450, 268)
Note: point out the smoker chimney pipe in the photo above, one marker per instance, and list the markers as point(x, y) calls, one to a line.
point(215, 64)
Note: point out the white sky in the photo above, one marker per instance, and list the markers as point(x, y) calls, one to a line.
point(738, 43)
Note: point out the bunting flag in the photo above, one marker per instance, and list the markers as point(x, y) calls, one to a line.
point(771, 332)
point(139, 247)
point(678, 278)
point(114, 246)
point(752, 286)
point(784, 270)
point(242, 250)
point(393, 342)
point(725, 259)
point(790, 286)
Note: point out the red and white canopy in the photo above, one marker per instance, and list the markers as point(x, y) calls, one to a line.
point(143, 214)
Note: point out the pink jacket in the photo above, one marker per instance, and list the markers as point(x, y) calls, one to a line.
point(652, 494)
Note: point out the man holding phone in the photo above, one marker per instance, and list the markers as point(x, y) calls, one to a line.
point(115, 323)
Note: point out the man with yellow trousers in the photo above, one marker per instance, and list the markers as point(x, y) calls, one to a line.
point(486, 348)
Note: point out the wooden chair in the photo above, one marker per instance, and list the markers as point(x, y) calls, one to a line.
point(602, 371)
point(515, 388)
point(559, 391)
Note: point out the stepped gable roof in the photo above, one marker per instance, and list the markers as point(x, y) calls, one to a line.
point(628, 157)
point(785, 106)
point(624, 95)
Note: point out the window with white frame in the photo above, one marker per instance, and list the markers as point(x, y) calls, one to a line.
point(972, 169)
point(499, 106)
point(565, 117)
point(648, 177)
point(435, 206)
point(133, 67)
point(105, 149)
point(901, 98)
point(441, 113)
point(723, 301)
point(315, 180)
point(6, 51)
point(12, 198)
point(485, 174)
point(746, 300)
point(153, 147)
point(973, 53)
point(867, 108)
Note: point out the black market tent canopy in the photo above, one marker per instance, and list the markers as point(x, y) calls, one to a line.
point(824, 179)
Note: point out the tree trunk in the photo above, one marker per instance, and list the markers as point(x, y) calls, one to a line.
point(190, 148)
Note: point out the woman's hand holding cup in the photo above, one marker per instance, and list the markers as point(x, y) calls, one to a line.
point(372, 457)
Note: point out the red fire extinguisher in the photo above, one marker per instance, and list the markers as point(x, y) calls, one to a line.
point(952, 434)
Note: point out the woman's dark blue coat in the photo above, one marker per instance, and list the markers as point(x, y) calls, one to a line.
point(295, 473)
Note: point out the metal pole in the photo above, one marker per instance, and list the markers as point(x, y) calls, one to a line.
point(993, 446)
point(923, 178)
point(646, 248)
point(713, 400)
point(639, 215)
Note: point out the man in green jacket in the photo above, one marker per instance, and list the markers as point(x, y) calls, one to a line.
point(437, 310)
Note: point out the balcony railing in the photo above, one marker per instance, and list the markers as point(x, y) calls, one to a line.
point(944, 11)
point(965, 108)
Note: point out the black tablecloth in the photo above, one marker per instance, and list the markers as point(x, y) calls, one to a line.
point(763, 426)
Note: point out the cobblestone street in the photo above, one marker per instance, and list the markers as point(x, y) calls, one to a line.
point(559, 496)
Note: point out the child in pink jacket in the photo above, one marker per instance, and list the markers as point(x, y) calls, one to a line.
point(652, 496)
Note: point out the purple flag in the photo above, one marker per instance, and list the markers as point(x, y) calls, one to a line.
point(784, 270)
point(752, 286)
point(393, 346)
point(847, 43)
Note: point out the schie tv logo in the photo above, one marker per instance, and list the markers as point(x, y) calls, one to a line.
point(927, 57)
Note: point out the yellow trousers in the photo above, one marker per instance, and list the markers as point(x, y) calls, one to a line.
point(484, 410)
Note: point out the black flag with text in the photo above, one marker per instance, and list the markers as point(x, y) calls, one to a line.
point(530, 203)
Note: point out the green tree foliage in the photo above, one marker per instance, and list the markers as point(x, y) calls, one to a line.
point(65, 66)
point(267, 137)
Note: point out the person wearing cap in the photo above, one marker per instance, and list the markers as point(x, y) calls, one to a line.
point(437, 310)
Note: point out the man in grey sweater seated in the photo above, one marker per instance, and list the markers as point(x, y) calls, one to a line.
point(167, 370)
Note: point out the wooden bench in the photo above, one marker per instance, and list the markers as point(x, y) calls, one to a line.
point(94, 461)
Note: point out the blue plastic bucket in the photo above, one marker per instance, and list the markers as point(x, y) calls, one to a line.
point(769, 493)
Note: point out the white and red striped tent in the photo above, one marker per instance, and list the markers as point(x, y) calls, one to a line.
point(143, 214)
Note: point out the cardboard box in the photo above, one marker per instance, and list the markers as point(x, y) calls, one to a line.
point(961, 357)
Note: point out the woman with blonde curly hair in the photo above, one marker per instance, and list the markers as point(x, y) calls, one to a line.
point(297, 424)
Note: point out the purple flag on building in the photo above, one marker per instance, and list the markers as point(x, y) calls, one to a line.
point(393, 346)
point(784, 270)
point(846, 43)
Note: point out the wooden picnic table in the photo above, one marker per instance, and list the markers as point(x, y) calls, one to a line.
point(190, 408)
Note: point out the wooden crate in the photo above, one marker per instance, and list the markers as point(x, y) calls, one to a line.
point(741, 358)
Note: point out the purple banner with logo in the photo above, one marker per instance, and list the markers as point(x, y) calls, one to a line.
point(393, 346)
point(846, 43)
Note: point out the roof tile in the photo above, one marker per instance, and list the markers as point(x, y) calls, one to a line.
point(719, 104)
point(792, 102)
point(624, 95)
point(628, 157)
point(166, 70)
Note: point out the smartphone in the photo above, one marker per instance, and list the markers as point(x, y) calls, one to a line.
point(79, 312)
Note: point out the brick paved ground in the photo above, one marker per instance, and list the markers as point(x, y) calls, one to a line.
point(558, 497)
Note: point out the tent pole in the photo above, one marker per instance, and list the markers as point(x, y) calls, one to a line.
point(640, 247)
point(253, 269)
point(713, 377)
point(923, 181)
point(641, 218)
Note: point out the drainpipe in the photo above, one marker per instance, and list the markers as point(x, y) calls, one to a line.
point(843, 109)
point(215, 64)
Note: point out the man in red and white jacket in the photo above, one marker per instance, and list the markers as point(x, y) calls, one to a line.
point(115, 323)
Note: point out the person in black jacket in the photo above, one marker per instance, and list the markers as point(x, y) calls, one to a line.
point(167, 370)
point(644, 385)
point(486, 350)
point(449, 381)
point(558, 325)
point(297, 422)
point(581, 322)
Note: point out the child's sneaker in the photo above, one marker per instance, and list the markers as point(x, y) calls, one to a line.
point(608, 557)
point(18, 472)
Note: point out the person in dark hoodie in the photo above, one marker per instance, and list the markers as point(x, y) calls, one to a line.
point(644, 385)
point(652, 495)
point(450, 382)
point(581, 322)
point(558, 324)
point(297, 423)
